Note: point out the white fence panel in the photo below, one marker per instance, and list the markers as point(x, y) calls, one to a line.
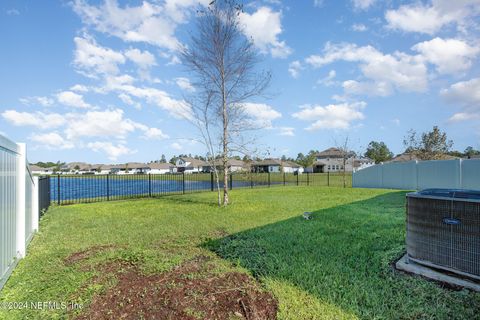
point(369, 177)
point(470, 174)
point(18, 210)
point(400, 175)
point(452, 174)
point(439, 174)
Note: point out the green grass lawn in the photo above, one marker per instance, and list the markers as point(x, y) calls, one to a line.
point(335, 266)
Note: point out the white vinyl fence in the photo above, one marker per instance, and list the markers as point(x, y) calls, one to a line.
point(419, 175)
point(18, 205)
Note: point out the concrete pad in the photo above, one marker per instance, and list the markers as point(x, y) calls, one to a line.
point(407, 265)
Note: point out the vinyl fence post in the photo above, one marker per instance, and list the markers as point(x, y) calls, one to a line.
point(58, 189)
point(269, 179)
point(183, 182)
point(297, 178)
point(328, 178)
point(211, 181)
point(20, 244)
point(150, 185)
point(284, 178)
point(108, 188)
point(35, 203)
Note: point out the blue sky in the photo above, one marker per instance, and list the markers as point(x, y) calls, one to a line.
point(99, 81)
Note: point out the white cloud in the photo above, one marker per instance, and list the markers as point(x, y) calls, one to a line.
point(52, 140)
point(38, 119)
point(113, 151)
point(318, 3)
point(108, 123)
point(333, 116)
point(450, 55)
point(294, 68)
point(92, 59)
point(128, 100)
point(176, 146)
point(143, 59)
point(329, 79)
point(262, 114)
point(184, 84)
point(465, 94)
point(43, 101)
point(177, 108)
point(79, 88)
point(154, 134)
point(151, 23)
point(378, 88)
point(363, 4)
point(264, 26)
point(72, 99)
point(385, 71)
point(396, 121)
point(359, 27)
point(431, 18)
point(287, 131)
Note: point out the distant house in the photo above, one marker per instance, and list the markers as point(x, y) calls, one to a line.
point(235, 165)
point(36, 170)
point(331, 160)
point(77, 168)
point(362, 163)
point(192, 165)
point(107, 169)
point(275, 166)
point(403, 157)
point(160, 168)
point(406, 156)
point(134, 168)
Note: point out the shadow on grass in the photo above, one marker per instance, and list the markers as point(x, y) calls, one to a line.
point(342, 257)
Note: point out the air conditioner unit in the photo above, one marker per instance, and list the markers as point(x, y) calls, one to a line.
point(443, 230)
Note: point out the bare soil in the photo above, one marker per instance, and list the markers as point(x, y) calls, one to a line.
point(192, 290)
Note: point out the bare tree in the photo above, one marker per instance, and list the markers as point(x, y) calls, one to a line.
point(223, 64)
point(346, 154)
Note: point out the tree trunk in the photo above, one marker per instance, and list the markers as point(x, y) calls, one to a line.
point(217, 180)
point(225, 156)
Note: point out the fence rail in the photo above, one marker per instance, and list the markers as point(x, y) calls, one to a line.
point(66, 189)
point(418, 175)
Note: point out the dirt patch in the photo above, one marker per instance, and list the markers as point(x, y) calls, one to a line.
point(85, 254)
point(192, 290)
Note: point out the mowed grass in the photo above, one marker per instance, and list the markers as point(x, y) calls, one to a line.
point(335, 266)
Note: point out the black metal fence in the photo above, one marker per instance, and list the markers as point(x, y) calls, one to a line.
point(68, 189)
point(44, 197)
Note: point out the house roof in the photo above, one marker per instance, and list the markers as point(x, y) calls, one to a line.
point(404, 157)
point(195, 162)
point(331, 153)
point(81, 166)
point(165, 166)
point(290, 164)
point(267, 162)
point(36, 168)
point(235, 163)
point(136, 165)
point(359, 162)
point(275, 162)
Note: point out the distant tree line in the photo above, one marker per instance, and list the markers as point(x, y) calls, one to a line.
point(429, 145)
